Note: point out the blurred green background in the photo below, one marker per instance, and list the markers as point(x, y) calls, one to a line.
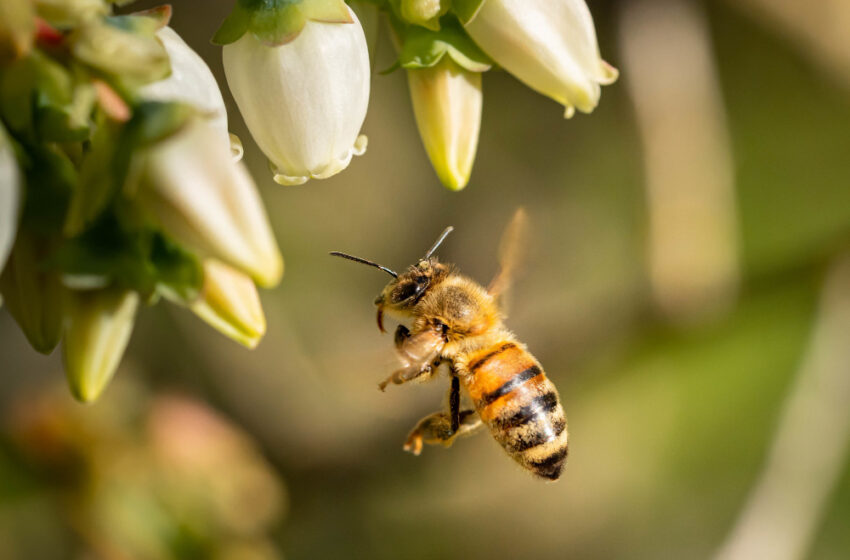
point(672, 412)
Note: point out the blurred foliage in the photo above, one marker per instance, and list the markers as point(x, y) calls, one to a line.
point(669, 426)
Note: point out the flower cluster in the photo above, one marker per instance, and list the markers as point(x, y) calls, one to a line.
point(299, 71)
point(119, 186)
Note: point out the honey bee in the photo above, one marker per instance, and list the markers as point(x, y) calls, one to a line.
point(458, 322)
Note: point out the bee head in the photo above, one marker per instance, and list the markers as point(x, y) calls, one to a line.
point(405, 290)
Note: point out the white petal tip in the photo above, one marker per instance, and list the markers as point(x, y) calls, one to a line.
point(609, 74)
point(329, 170)
point(236, 149)
point(569, 111)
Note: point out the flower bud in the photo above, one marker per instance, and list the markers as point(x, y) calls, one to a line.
point(303, 101)
point(191, 81)
point(423, 12)
point(229, 303)
point(10, 197)
point(447, 103)
point(99, 326)
point(17, 28)
point(549, 45)
point(208, 202)
point(33, 294)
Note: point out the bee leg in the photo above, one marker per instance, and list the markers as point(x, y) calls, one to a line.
point(437, 428)
point(409, 373)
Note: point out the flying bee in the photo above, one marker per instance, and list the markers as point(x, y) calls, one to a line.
point(458, 322)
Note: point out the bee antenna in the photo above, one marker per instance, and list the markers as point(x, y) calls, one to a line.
point(442, 237)
point(364, 261)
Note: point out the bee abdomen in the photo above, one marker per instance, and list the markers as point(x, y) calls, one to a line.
point(521, 407)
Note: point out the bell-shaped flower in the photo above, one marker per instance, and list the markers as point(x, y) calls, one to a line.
point(447, 103)
point(229, 302)
point(208, 202)
point(191, 81)
point(10, 197)
point(305, 100)
point(98, 328)
point(33, 293)
point(549, 45)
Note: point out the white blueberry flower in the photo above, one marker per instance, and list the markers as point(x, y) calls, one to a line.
point(304, 101)
point(191, 81)
point(550, 45)
point(10, 197)
point(208, 202)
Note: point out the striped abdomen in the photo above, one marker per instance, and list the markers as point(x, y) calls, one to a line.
point(520, 406)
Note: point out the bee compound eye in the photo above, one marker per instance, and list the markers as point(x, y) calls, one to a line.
point(404, 292)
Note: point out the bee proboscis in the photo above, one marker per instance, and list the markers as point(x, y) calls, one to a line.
point(458, 322)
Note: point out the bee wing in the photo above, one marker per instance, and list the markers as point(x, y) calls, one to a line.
point(510, 253)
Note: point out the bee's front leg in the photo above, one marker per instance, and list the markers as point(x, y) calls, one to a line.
point(419, 353)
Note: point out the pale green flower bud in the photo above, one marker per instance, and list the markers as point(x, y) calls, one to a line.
point(424, 12)
point(209, 202)
point(304, 101)
point(98, 329)
point(550, 45)
point(10, 197)
point(447, 103)
point(33, 294)
point(229, 302)
point(191, 81)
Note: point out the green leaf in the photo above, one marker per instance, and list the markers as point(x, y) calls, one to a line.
point(423, 48)
point(466, 10)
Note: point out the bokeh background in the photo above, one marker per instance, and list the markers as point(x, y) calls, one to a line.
point(686, 286)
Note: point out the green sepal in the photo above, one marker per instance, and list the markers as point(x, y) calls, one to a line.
point(466, 10)
point(106, 167)
point(423, 48)
point(277, 22)
point(140, 258)
point(146, 21)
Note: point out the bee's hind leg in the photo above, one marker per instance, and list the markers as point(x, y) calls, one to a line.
point(442, 427)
